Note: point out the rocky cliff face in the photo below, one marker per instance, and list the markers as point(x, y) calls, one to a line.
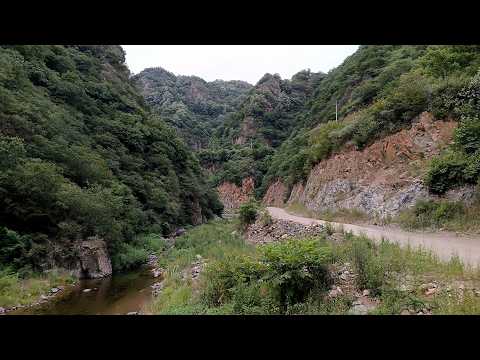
point(381, 180)
point(232, 196)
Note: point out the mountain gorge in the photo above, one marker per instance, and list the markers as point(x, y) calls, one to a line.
point(282, 135)
point(90, 151)
point(158, 193)
point(189, 104)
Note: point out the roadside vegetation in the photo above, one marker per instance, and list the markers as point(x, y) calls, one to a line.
point(442, 215)
point(349, 216)
point(294, 276)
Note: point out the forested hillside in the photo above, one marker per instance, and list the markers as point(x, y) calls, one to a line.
point(193, 106)
point(238, 142)
point(81, 155)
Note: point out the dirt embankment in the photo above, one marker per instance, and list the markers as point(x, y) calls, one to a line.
point(380, 180)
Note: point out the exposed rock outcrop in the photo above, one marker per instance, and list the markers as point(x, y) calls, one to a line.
point(94, 259)
point(232, 196)
point(275, 195)
point(381, 180)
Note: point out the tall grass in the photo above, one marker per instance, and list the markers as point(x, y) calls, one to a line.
point(17, 291)
point(240, 279)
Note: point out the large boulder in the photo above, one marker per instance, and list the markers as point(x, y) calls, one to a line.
point(94, 259)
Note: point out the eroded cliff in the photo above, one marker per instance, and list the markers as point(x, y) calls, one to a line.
point(380, 180)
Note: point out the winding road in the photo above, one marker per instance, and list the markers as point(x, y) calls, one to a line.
point(444, 244)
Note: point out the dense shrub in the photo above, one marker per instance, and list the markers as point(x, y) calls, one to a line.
point(295, 268)
point(284, 274)
point(431, 214)
point(446, 171)
point(467, 135)
point(248, 212)
point(14, 249)
point(224, 277)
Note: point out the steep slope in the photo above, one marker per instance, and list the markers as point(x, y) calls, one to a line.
point(357, 163)
point(379, 180)
point(190, 104)
point(81, 156)
point(244, 142)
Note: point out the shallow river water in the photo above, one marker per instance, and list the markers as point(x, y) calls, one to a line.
point(115, 295)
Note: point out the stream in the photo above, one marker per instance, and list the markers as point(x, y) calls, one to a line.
point(115, 295)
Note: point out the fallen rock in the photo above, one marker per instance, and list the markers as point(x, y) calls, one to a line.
point(94, 259)
point(54, 290)
point(86, 290)
point(366, 292)
point(43, 297)
point(157, 288)
point(180, 232)
point(156, 272)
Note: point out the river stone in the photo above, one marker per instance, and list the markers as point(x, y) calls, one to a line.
point(94, 259)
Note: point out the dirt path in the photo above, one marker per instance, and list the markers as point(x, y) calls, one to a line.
point(444, 244)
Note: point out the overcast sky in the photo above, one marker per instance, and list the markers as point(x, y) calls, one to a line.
point(237, 62)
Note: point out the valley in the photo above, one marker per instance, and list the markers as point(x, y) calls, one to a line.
point(265, 198)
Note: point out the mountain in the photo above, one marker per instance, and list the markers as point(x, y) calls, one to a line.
point(81, 156)
point(404, 116)
point(193, 106)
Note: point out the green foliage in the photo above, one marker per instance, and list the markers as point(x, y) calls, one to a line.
point(283, 275)
point(225, 276)
point(379, 90)
point(191, 105)
point(461, 163)
point(15, 290)
point(12, 150)
point(295, 268)
point(431, 214)
point(467, 135)
point(323, 141)
point(369, 266)
point(442, 61)
point(128, 257)
point(80, 155)
point(14, 249)
point(248, 212)
point(446, 171)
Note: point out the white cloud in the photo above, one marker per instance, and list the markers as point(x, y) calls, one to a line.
point(236, 62)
